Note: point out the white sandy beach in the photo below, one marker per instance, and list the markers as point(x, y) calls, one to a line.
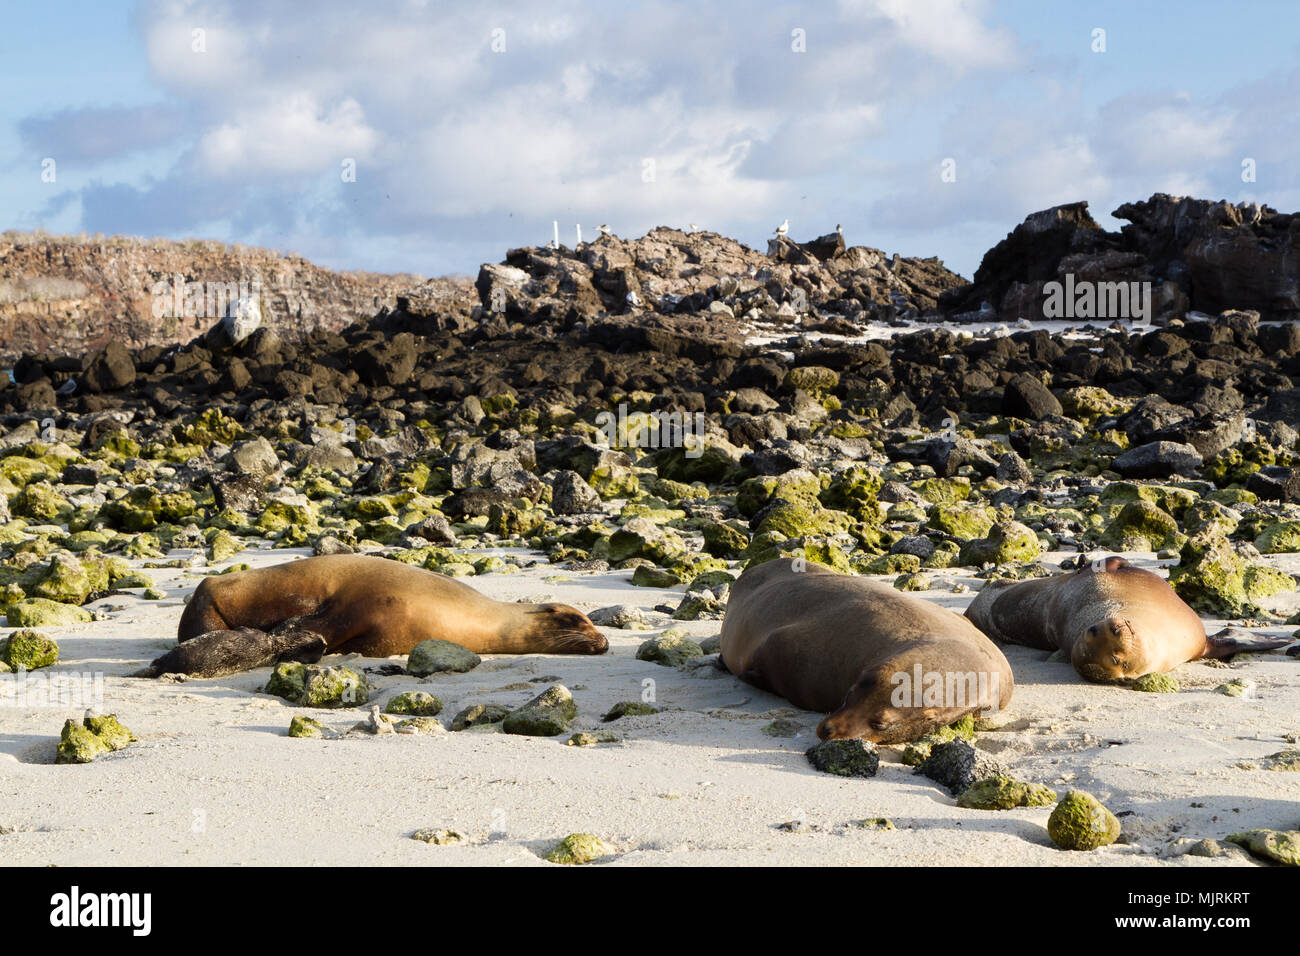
point(214, 780)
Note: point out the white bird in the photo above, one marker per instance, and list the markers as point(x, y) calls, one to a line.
point(839, 229)
point(633, 299)
point(782, 229)
point(691, 227)
point(604, 230)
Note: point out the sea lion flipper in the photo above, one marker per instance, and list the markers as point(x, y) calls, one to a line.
point(1235, 640)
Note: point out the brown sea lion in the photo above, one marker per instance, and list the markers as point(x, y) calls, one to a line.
point(886, 666)
point(1114, 620)
point(346, 602)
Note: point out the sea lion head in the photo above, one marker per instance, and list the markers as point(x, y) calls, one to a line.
point(1110, 650)
point(562, 629)
point(865, 713)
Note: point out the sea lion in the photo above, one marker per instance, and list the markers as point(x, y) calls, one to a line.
point(1114, 620)
point(345, 602)
point(886, 666)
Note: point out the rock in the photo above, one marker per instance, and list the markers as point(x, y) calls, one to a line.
point(310, 685)
point(436, 656)
point(578, 848)
point(645, 576)
point(435, 529)
point(1156, 684)
point(1007, 542)
point(918, 751)
point(255, 459)
point(1027, 397)
point(546, 715)
point(93, 737)
point(957, 765)
point(853, 757)
point(110, 371)
point(1004, 793)
point(672, 648)
point(42, 612)
point(438, 836)
point(629, 708)
point(28, 650)
point(1080, 822)
point(783, 727)
point(415, 703)
point(1237, 687)
point(306, 727)
point(590, 740)
point(618, 615)
point(1158, 459)
point(1275, 846)
point(1287, 761)
point(479, 715)
point(571, 495)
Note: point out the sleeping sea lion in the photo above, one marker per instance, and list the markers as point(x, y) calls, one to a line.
point(886, 666)
point(374, 606)
point(1114, 620)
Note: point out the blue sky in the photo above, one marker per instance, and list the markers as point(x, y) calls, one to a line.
point(462, 150)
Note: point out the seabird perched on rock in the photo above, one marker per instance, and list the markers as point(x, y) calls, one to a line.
point(633, 299)
point(604, 230)
point(840, 230)
point(691, 227)
point(782, 229)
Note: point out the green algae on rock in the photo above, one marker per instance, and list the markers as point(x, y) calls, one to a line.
point(1080, 822)
point(672, 648)
point(1005, 793)
point(436, 656)
point(306, 727)
point(29, 650)
point(414, 703)
point(853, 757)
point(546, 715)
point(1275, 846)
point(591, 739)
point(93, 737)
point(873, 823)
point(438, 836)
point(578, 848)
point(479, 715)
point(310, 685)
point(1156, 684)
point(629, 708)
point(42, 612)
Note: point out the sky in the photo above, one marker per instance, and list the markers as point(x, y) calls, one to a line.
point(429, 137)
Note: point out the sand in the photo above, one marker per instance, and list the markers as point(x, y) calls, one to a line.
point(214, 780)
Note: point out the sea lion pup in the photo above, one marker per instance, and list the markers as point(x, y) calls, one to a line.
point(374, 606)
point(887, 666)
point(1114, 620)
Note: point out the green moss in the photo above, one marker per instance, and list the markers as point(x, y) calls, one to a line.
point(29, 650)
point(578, 848)
point(1156, 684)
point(1004, 793)
point(546, 715)
point(1275, 846)
point(1142, 526)
point(306, 727)
point(1008, 542)
point(1080, 822)
point(942, 491)
point(478, 715)
point(333, 687)
point(964, 522)
point(288, 681)
point(672, 648)
point(918, 751)
point(629, 708)
point(648, 577)
point(42, 612)
point(590, 740)
point(93, 737)
point(1261, 581)
point(438, 836)
point(415, 703)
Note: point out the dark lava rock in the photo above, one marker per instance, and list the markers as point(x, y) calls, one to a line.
point(1027, 397)
point(956, 765)
point(1158, 459)
point(845, 758)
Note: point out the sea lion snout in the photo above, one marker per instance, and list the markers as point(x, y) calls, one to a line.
point(569, 631)
point(1107, 651)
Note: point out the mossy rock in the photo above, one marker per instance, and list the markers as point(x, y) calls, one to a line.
point(912, 582)
point(1142, 526)
point(306, 727)
point(438, 836)
point(723, 540)
point(591, 739)
point(629, 708)
point(645, 576)
point(1156, 684)
point(889, 564)
point(672, 648)
point(578, 848)
point(943, 491)
point(546, 715)
point(845, 758)
point(1004, 793)
point(479, 715)
point(1080, 822)
point(1008, 542)
point(436, 656)
point(1280, 538)
point(1261, 581)
point(815, 379)
point(93, 737)
point(29, 650)
point(310, 685)
point(918, 751)
point(1211, 577)
point(963, 522)
point(414, 703)
point(42, 612)
point(1275, 846)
